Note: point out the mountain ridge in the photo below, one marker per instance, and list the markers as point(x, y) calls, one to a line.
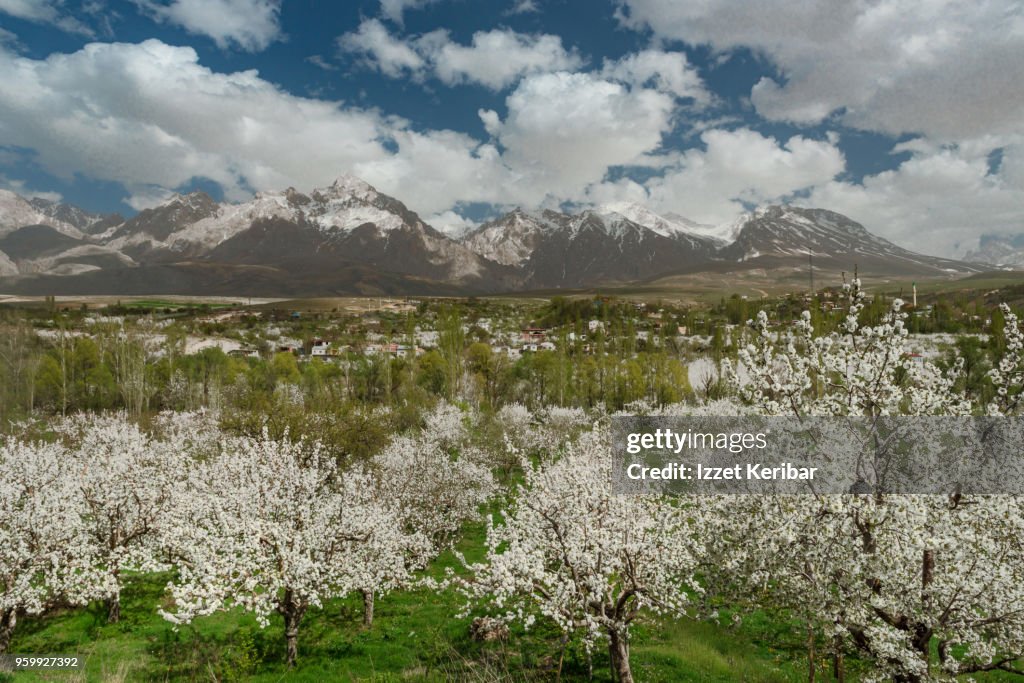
point(350, 235)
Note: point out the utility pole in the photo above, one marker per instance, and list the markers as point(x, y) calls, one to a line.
point(810, 260)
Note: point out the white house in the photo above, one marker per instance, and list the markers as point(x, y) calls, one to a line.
point(320, 348)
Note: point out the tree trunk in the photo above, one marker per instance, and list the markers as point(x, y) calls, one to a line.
point(292, 612)
point(838, 671)
point(114, 602)
point(114, 609)
point(8, 620)
point(367, 607)
point(618, 649)
point(561, 657)
point(811, 654)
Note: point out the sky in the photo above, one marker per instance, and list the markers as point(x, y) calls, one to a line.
point(905, 115)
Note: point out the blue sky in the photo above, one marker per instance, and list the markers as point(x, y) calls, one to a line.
point(905, 115)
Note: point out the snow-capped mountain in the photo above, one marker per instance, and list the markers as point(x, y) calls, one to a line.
point(38, 236)
point(777, 235)
point(43, 249)
point(669, 224)
point(149, 230)
point(348, 222)
point(349, 238)
point(511, 239)
point(7, 266)
point(89, 223)
point(17, 212)
point(553, 249)
point(1005, 251)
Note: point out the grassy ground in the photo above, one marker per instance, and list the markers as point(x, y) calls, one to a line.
point(415, 637)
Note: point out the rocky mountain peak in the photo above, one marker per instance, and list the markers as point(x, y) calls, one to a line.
point(348, 185)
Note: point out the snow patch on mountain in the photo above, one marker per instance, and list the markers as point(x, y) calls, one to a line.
point(68, 269)
point(16, 212)
point(231, 219)
point(1006, 251)
point(350, 186)
point(511, 239)
point(7, 266)
point(55, 264)
point(668, 225)
point(346, 204)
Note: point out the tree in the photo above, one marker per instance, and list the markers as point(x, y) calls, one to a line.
point(125, 480)
point(1008, 375)
point(431, 486)
point(431, 372)
point(923, 587)
point(47, 557)
point(451, 341)
point(859, 370)
point(429, 478)
point(285, 368)
point(571, 550)
point(129, 354)
point(272, 526)
point(19, 361)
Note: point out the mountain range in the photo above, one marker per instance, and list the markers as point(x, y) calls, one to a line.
point(1006, 251)
point(348, 238)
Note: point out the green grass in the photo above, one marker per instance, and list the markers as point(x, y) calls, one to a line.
point(415, 637)
point(159, 304)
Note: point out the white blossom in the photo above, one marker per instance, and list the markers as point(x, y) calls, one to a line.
point(571, 550)
point(47, 556)
point(272, 526)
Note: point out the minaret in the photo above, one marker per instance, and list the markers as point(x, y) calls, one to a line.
point(810, 260)
point(914, 285)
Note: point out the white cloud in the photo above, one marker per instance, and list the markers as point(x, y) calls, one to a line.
point(382, 51)
point(940, 201)
point(494, 59)
point(434, 170)
point(395, 9)
point(150, 114)
point(563, 130)
point(737, 167)
point(44, 12)
point(30, 10)
point(665, 71)
point(150, 117)
point(320, 62)
point(621, 190)
point(148, 197)
point(20, 187)
point(451, 223)
point(524, 7)
point(944, 68)
point(7, 38)
point(250, 24)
